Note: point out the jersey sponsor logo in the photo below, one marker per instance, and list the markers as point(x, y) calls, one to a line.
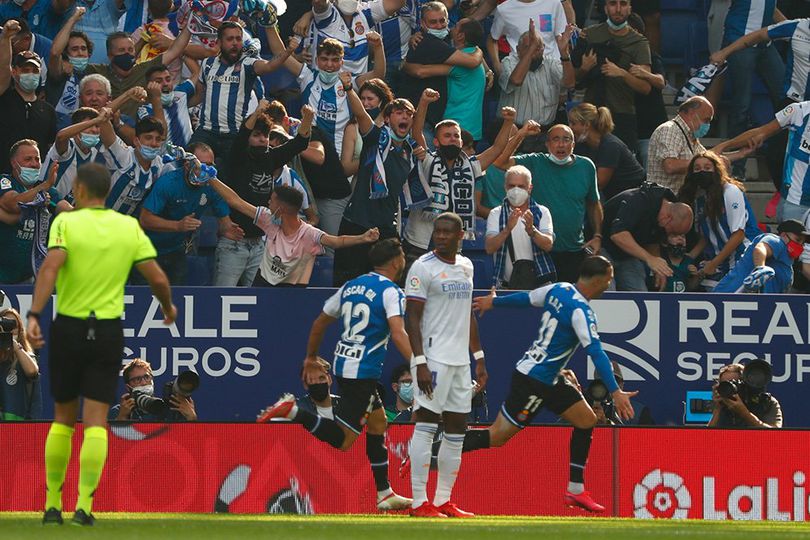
point(804, 146)
point(223, 79)
point(327, 111)
point(353, 352)
point(661, 494)
point(5, 183)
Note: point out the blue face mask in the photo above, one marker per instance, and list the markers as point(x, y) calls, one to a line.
point(275, 219)
point(406, 392)
point(701, 131)
point(557, 161)
point(149, 152)
point(615, 27)
point(166, 98)
point(29, 176)
point(79, 63)
point(29, 81)
point(90, 140)
point(328, 77)
point(441, 34)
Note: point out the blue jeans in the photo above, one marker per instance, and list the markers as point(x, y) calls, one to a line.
point(237, 262)
point(629, 274)
point(788, 210)
point(741, 68)
point(330, 212)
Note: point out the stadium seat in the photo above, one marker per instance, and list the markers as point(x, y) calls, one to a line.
point(477, 245)
point(322, 272)
point(483, 266)
point(697, 45)
point(200, 270)
point(208, 232)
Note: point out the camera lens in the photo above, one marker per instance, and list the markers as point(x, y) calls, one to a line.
point(726, 389)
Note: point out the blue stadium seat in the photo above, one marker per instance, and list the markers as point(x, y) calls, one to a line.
point(695, 6)
point(322, 272)
point(482, 265)
point(208, 232)
point(697, 45)
point(477, 245)
point(200, 270)
point(675, 27)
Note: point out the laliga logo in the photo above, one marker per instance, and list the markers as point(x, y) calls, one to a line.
point(630, 332)
point(661, 495)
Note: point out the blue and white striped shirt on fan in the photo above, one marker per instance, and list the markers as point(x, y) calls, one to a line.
point(227, 93)
point(798, 64)
point(329, 102)
point(69, 162)
point(396, 31)
point(796, 176)
point(177, 118)
point(330, 24)
point(130, 183)
point(746, 16)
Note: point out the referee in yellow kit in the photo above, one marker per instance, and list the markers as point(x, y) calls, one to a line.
point(90, 254)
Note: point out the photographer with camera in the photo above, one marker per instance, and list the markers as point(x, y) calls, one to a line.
point(140, 402)
point(606, 60)
point(20, 393)
point(740, 399)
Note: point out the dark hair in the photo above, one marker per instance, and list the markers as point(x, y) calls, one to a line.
point(226, 25)
point(399, 104)
point(379, 88)
point(136, 363)
point(81, 35)
point(595, 265)
point(446, 123)
point(473, 31)
point(289, 196)
point(399, 371)
point(154, 69)
point(83, 113)
point(715, 202)
point(330, 46)
point(24, 26)
point(384, 251)
point(263, 124)
point(276, 111)
point(95, 178)
point(114, 36)
point(148, 124)
point(159, 9)
point(452, 217)
point(467, 138)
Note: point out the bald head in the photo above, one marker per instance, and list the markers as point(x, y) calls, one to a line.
point(675, 217)
point(695, 111)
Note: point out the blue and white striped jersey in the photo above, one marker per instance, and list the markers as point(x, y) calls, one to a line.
point(796, 176)
point(330, 24)
point(797, 73)
point(746, 16)
point(68, 101)
point(364, 306)
point(177, 118)
point(737, 215)
point(227, 93)
point(396, 31)
point(288, 177)
point(72, 159)
point(567, 323)
point(329, 102)
point(130, 183)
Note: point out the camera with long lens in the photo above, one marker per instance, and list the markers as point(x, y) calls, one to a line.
point(181, 386)
point(7, 327)
point(756, 375)
point(597, 392)
point(149, 403)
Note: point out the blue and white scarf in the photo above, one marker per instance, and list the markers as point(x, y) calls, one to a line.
point(543, 263)
point(415, 192)
point(37, 210)
point(453, 190)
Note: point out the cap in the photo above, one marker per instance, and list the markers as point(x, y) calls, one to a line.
point(27, 57)
point(793, 226)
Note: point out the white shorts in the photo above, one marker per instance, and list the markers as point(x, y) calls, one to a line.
point(452, 389)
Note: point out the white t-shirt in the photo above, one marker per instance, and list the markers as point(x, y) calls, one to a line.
point(446, 289)
point(513, 16)
point(520, 238)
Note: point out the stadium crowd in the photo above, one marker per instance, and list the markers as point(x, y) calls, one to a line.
point(329, 125)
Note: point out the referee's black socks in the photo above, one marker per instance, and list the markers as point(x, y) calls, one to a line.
point(323, 428)
point(475, 439)
point(579, 448)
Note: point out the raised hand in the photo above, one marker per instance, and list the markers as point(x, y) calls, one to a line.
point(429, 95)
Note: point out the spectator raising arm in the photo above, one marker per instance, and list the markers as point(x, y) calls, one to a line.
point(506, 159)
point(378, 55)
point(364, 121)
point(277, 47)
point(178, 46)
point(60, 43)
point(429, 95)
point(10, 29)
point(488, 156)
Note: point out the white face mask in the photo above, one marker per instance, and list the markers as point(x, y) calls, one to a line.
point(148, 389)
point(347, 7)
point(564, 161)
point(517, 196)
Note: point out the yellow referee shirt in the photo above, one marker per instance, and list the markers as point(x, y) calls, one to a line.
point(102, 246)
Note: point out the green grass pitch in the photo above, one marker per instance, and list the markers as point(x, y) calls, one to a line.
point(122, 526)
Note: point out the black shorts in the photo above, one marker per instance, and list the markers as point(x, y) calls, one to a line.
point(528, 395)
point(81, 366)
point(358, 397)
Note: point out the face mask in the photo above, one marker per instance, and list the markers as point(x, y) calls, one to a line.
point(677, 251)
point(613, 26)
point(79, 63)
point(347, 7)
point(89, 139)
point(441, 34)
point(29, 81)
point(557, 161)
point(582, 138)
point(373, 112)
point(396, 137)
point(319, 392)
point(794, 249)
point(19, 2)
point(704, 179)
point(449, 151)
point(328, 77)
point(207, 172)
point(149, 152)
point(124, 61)
point(701, 131)
point(29, 176)
point(275, 219)
point(517, 196)
point(166, 98)
point(535, 64)
point(406, 392)
point(148, 389)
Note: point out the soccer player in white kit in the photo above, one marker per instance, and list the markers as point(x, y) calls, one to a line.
point(441, 328)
